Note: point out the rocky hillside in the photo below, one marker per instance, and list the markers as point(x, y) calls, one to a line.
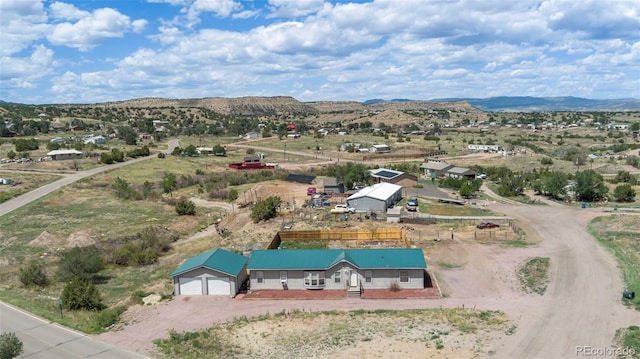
point(238, 106)
point(351, 106)
point(289, 105)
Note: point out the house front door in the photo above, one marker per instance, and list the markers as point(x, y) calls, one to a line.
point(353, 278)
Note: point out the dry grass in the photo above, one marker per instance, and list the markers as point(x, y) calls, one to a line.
point(462, 333)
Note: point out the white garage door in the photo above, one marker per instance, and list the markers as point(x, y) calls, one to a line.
point(219, 286)
point(190, 286)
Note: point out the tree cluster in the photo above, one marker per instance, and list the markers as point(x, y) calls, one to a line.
point(265, 209)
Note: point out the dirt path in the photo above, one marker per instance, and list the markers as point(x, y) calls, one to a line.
point(582, 305)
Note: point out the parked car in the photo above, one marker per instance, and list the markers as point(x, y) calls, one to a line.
point(344, 208)
point(487, 225)
point(412, 204)
point(311, 191)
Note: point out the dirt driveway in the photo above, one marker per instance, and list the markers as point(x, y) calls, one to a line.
point(581, 306)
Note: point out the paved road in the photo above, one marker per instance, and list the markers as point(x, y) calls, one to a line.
point(40, 192)
point(42, 339)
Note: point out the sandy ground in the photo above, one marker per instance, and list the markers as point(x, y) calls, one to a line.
point(581, 306)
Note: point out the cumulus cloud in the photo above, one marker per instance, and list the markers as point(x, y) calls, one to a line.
point(384, 48)
point(22, 23)
point(293, 8)
point(91, 29)
point(25, 72)
point(60, 10)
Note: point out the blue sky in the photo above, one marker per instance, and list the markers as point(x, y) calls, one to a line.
point(108, 50)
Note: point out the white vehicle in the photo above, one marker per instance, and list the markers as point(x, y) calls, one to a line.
point(344, 208)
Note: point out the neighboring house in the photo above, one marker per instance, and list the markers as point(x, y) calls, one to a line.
point(460, 172)
point(204, 150)
point(378, 197)
point(216, 272)
point(435, 168)
point(485, 148)
point(392, 176)
point(331, 185)
point(356, 146)
point(59, 155)
point(337, 269)
point(380, 148)
point(252, 135)
point(95, 140)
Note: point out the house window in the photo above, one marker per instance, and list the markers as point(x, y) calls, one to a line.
point(368, 275)
point(283, 277)
point(314, 279)
point(336, 277)
point(404, 276)
point(260, 277)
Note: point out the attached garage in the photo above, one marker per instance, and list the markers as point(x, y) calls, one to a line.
point(218, 286)
point(216, 272)
point(190, 286)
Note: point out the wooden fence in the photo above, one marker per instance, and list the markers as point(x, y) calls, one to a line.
point(378, 234)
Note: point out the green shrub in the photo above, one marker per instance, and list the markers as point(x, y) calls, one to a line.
point(10, 346)
point(265, 209)
point(185, 207)
point(81, 293)
point(81, 262)
point(33, 274)
point(108, 317)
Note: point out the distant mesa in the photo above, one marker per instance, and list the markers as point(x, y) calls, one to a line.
point(286, 105)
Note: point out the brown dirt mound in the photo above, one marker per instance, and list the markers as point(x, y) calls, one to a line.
point(46, 239)
point(80, 239)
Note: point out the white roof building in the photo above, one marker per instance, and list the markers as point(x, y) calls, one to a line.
point(378, 197)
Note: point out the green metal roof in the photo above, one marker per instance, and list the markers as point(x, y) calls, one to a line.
point(218, 259)
point(319, 259)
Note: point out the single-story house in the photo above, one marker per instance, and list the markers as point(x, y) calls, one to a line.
point(380, 148)
point(392, 176)
point(485, 148)
point(332, 185)
point(216, 272)
point(59, 155)
point(435, 168)
point(252, 135)
point(378, 197)
point(460, 172)
point(337, 269)
point(96, 140)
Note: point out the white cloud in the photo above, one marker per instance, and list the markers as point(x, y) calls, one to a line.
point(92, 29)
point(22, 22)
point(139, 25)
point(60, 10)
point(385, 48)
point(246, 14)
point(25, 72)
point(294, 8)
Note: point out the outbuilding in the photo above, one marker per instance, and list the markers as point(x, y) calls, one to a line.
point(216, 272)
point(378, 197)
point(435, 169)
point(59, 155)
point(332, 185)
point(392, 176)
